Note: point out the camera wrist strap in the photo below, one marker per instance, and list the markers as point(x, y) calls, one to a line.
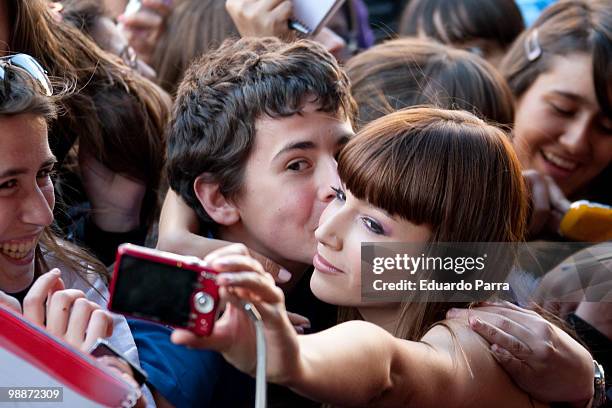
point(260, 377)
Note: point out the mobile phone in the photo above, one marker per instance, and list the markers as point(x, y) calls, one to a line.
point(103, 348)
point(166, 288)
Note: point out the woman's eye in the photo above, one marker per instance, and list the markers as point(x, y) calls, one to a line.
point(8, 184)
point(340, 196)
point(298, 165)
point(373, 226)
point(562, 110)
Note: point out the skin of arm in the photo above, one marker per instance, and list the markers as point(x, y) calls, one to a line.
point(386, 371)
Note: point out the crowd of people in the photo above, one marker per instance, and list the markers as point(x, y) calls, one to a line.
point(211, 128)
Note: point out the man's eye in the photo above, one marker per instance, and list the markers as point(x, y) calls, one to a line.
point(46, 173)
point(373, 226)
point(340, 196)
point(298, 165)
point(8, 184)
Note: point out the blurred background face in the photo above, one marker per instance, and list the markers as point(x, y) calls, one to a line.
point(26, 196)
point(344, 225)
point(559, 128)
point(287, 183)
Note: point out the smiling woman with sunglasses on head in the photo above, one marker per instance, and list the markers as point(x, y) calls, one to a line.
point(53, 283)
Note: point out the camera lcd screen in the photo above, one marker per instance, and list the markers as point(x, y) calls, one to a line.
point(154, 291)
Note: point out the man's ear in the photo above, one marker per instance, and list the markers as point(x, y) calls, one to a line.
point(221, 210)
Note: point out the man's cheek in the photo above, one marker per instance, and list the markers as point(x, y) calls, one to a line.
point(301, 207)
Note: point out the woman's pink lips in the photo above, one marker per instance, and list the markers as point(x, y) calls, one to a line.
point(322, 265)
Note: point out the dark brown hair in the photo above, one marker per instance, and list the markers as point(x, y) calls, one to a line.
point(458, 21)
point(20, 95)
point(410, 71)
point(572, 26)
point(193, 28)
point(212, 128)
point(414, 163)
point(108, 95)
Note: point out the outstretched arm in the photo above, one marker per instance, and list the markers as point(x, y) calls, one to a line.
point(376, 367)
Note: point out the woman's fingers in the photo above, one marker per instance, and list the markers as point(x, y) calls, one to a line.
point(79, 320)
point(558, 201)
point(505, 327)
point(9, 302)
point(60, 309)
point(260, 286)
point(222, 337)
point(237, 263)
point(100, 325)
point(280, 274)
point(502, 338)
point(540, 200)
point(299, 322)
point(233, 249)
point(34, 307)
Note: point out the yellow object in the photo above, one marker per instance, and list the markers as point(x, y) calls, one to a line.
point(587, 221)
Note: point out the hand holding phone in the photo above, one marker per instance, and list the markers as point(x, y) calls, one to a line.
point(166, 288)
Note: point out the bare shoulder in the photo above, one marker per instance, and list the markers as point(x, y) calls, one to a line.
point(475, 378)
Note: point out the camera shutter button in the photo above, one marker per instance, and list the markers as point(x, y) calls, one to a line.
point(204, 303)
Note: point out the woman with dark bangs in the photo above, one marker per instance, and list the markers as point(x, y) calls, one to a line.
point(403, 180)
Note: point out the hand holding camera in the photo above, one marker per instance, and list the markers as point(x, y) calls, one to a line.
point(242, 279)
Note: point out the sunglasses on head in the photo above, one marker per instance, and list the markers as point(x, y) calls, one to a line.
point(28, 64)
